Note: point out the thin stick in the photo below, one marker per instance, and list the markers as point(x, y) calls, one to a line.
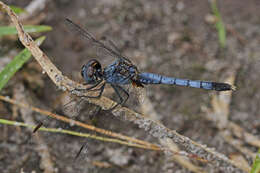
point(86, 135)
point(78, 123)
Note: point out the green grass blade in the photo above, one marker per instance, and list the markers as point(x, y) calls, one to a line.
point(256, 164)
point(17, 10)
point(74, 133)
point(18, 61)
point(219, 25)
point(11, 30)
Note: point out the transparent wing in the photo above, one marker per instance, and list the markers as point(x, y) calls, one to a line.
point(107, 45)
point(74, 106)
point(136, 94)
point(105, 56)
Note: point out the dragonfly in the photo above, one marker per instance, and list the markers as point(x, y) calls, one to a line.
point(123, 72)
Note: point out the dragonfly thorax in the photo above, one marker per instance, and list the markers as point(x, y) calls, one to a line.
point(92, 71)
point(120, 73)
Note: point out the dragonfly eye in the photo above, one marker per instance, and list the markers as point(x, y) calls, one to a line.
point(87, 71)
point(96, 65)
point(83, 68)
point(91, 71)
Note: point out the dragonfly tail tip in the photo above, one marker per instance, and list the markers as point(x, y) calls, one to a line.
point(223, 87)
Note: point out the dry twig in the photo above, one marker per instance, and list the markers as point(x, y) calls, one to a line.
point(148, 109)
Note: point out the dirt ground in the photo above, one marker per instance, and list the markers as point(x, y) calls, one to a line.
point(172, 38)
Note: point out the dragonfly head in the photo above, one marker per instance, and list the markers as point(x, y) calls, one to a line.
point(92, 71)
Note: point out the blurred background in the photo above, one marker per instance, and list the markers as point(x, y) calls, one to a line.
point(199, 40)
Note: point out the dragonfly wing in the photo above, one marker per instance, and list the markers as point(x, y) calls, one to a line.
point(105, 46)
point(140, 93)
point(106, 56)
point(74, 106)
point(136, 93)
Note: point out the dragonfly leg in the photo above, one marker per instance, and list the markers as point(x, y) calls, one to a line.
point(117, 93)
point(122, 101)
point(126, 93)
point(101, 89)
point(93, 86)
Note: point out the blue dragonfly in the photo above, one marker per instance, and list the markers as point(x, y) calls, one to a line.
point(123, 72)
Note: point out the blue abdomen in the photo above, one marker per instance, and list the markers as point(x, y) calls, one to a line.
point(151, 78)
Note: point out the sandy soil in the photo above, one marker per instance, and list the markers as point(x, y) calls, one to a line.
point(165, 37)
